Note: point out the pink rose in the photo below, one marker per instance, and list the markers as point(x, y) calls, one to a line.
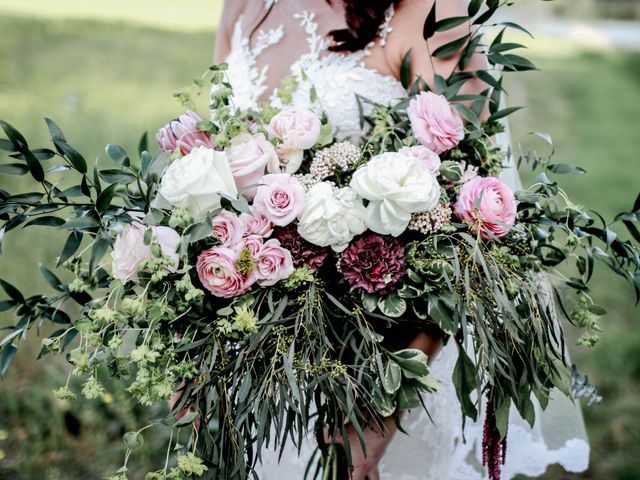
point(427, 156)
point(252, 243)
point(435, 123)
point(496, 212)
point(256, 223)
point(299, 130)
point(274, 263)
point(227, 227)
point(218, 273)
point(249, 156)
point(129, 250)
point(280, 197)
point(183, 133)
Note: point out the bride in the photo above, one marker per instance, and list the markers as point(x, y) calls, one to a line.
point(332, 51)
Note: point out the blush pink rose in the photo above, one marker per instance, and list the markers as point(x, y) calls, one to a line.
point(256, 223)
point(280, 198)
point(274, 263)
point(425, 155)
point(249, 156)
point(495, 212)
point(183, 133)
point(253, 243)
point(227, 227)
point(129, 250)
point(435, 123)
point(218, 273)
point(299, 130)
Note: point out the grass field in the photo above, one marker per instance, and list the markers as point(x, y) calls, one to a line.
point(109, 80)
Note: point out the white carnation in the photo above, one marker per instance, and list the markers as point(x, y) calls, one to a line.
point(196, 181)
point(396, 186)
point(332, 216)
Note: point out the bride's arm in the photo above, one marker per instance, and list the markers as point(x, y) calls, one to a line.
point(230, 13)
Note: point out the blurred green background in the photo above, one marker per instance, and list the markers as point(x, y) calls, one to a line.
point(104, 70)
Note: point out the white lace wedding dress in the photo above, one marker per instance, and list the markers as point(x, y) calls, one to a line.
point(432, 450)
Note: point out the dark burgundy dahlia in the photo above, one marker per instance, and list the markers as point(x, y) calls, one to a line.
point(374, 263)
point(304, 254)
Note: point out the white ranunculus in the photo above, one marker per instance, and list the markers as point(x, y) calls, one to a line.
point(332, 216)
point(129, 250)
point(396, 186)
point(196, 181)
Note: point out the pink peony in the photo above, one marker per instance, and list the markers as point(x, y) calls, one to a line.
point(274, 263)
point(488, 205)
point(227, 227)
point(256, 223)
point(280, 197)
point(299, 130)
point(304, 254)
point(129, 250)
point(249, 156)
point(253, 243)
point(218, 273)
point(435, 123)
point(374, 263)
point(427, 156)
point(183, 133)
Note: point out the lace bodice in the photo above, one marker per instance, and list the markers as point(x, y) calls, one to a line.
point(325, 81)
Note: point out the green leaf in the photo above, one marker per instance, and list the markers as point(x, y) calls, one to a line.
point(35, 167)
point(6, 145)
point(597, 310)
point(15, 137)
point(502, 411)
point(429, 28)
point(474, 7)
point(8, 352)
point(133, 440)
point(72, 155)
point(12, 291)
point(369, 301)
point(383, 404)
point(13, 169)
point(413, 362)
point(449, 49)
point(70, 247)
point(117, 176)
point(504, 112)
point(103, 202)
point(55, 131)
point(98, 250)
point(392, 305)
point(405, 70)
point(565, 169)
point(118, 154)
point(392, 377)
point(80, 223)
point(408, 397)
point(143, 144)
point(465, 382)
point(451, 22)
point(51, 278)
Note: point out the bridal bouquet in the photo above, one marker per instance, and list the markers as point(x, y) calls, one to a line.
point(266, 278)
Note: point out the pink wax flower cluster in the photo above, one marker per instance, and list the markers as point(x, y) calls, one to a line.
point(244, 242)
point(183, 134)
point(374, 263)
point(435, 122)
point(488, 205)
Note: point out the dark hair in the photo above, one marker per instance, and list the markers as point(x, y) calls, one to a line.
point(364, 18)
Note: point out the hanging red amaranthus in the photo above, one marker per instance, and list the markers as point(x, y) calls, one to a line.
point(494, 447)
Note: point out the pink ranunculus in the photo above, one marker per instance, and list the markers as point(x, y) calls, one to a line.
point(249, 156)
point(256, 223)
point(435, 123)
point(219, 274)
point(424, 154)
point(305, 254)
point(373, 263)
point(274, 263)
point(228, 228)
point(253, 243)
point(129, 250)
point(280, 197)
point(299, 130)
point(183, 133)
point(494, 213)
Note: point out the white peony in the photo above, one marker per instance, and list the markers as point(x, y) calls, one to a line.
point(196, 181)
point(129, 250)
point(396, 186)
point(332, 216)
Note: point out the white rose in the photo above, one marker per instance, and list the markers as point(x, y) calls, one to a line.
point(332, 216)
point(396, 186)
point(249, 156)
point(129, 250)
point(196, 181)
